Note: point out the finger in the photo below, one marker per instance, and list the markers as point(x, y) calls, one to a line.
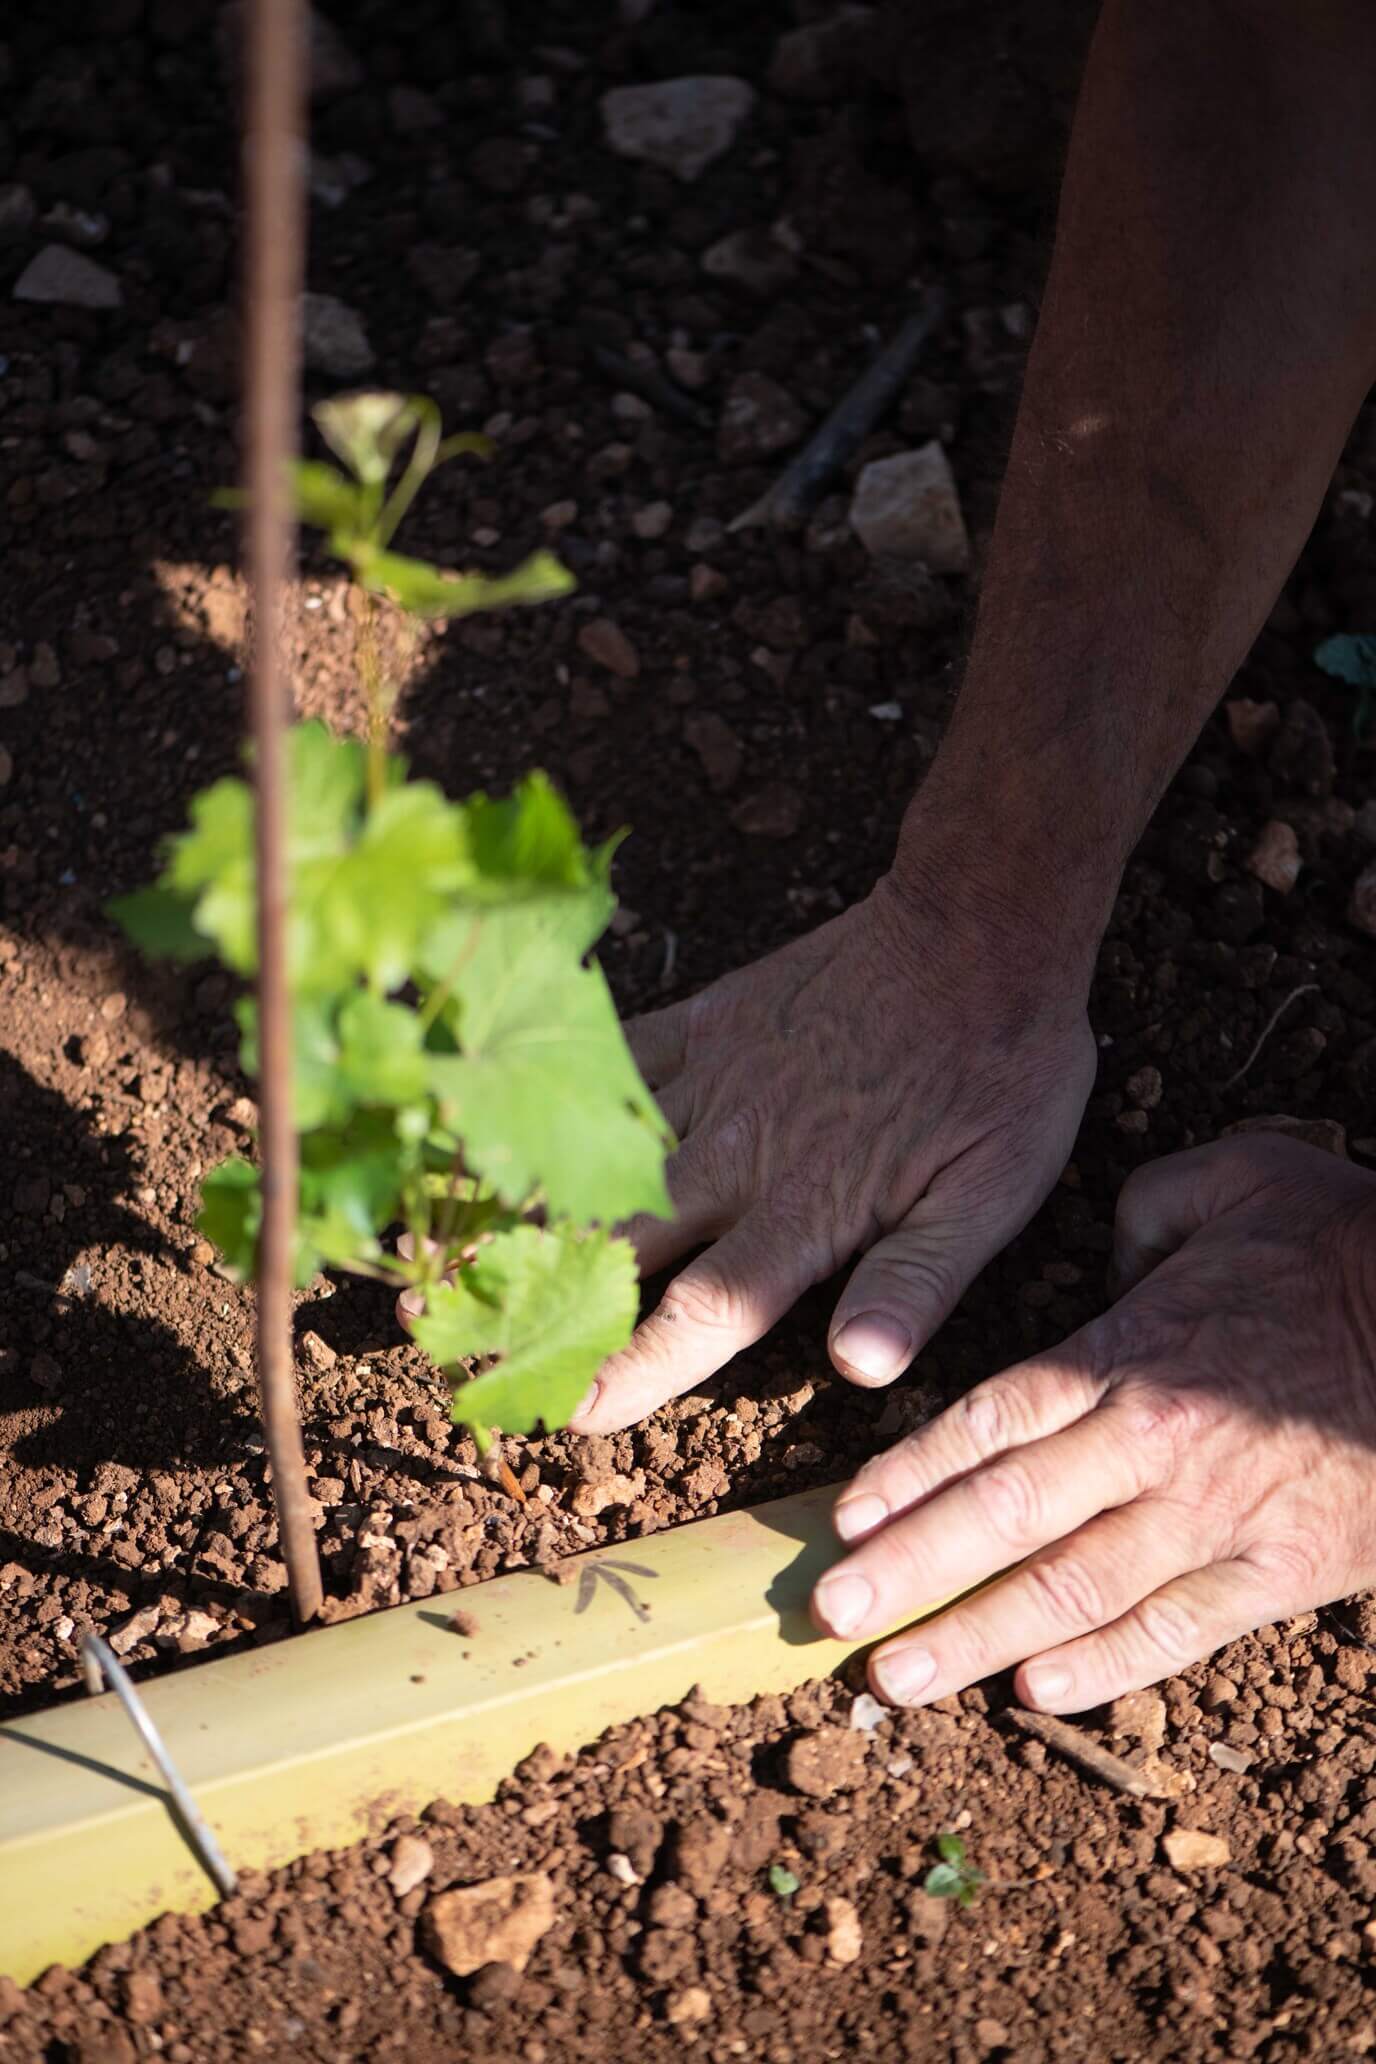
point(1173, 1626)
point(721, 1303)
point(912, 1279)
point(1164, 1203)
point(709, 1191)
point(984, 1523)
point(1028, 1403)
point(675, 1101)
point(1073, 1588)
point(659, 1043)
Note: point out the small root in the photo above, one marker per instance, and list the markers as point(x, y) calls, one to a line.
point(1305, 989)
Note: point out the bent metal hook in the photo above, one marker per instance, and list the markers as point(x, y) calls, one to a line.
point(99, 1664)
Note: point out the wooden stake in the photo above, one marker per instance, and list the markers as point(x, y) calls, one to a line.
point(273, 167)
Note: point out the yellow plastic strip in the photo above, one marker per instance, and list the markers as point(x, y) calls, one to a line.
point(314, 1742)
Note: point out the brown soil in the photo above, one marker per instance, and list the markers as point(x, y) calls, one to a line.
point(766, 793)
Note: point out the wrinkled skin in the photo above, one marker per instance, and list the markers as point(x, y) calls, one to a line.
point(850, 1094)
point(1197, 1462)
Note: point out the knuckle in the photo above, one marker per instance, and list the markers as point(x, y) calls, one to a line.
point(1010, 1503)
point(922, 1278)
point(708, 1303)
point(1156, 1420)
point(991, 1417)
point(1170, 1630)
point(1069, 1592)
point(1292, 1566)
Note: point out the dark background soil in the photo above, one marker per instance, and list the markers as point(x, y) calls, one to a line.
point(763, 793)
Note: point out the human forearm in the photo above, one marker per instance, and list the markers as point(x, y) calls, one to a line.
point(1208, 333)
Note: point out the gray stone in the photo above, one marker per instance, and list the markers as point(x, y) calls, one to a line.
point(760, 418)
point(907, 507)
point(333, 338)
point(817, 61)
point(67, 280)
point(751, 258)
point(681, 125)
point(17, 212)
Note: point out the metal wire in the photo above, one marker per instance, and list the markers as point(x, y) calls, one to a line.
point(100, 1668)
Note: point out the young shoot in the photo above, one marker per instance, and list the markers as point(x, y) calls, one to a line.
point(458, 1065)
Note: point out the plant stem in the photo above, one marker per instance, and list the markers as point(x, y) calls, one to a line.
point(370, 668)
point(443, 990)
point(273, 153)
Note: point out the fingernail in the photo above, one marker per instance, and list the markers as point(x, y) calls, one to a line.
point(1046, 1683)
point(586, 1403)
point(903, 1674)
point(875, 1346)
point(845, 1602)
point(856, 1516)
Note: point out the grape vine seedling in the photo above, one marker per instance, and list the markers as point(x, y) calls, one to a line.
point(458, 1065)
point(952, 1878)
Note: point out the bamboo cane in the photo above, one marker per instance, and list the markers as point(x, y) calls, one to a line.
point(273, 151)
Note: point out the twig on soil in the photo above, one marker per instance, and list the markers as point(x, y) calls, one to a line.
point(1086, 1754)
point(274, 157)
point(651, 385)
point(789, 502)
point(1305, 989)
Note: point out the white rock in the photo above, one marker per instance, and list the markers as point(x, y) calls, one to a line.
point(134, 1630)
point(622, 1869)
point(68, 280)
point(412, 1862)
point(907, 507)
point(887, 712)
point(333, 339)
point(866, 1713)
point(681, 125)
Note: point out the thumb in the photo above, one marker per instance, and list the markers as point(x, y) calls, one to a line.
point(1164, 1203)
point(914, 1277)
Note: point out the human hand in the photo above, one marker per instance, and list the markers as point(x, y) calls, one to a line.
point(1196, 1462)
point(904, 1080)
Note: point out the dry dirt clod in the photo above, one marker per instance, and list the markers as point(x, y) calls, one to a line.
point(1275, 858)
point(693, 2003)
point(1139, 1716)
point(844, 1938)
point(1361, 908)
point(1251, 724)
point(1189, 1849)
point(829, 1760)
point(607, 645)
point(497, 1922)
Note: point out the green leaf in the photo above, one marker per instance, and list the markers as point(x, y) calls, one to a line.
point(352, 1179)
point(232, 1213)
point(950, 1849)
point(327, 500)
point(424, 591)
point(212, 863)
point(944, 1881)
point(782, 1882)
point(367, 430)
point(553, 1304)
point(380, 1058)
point(160, 923)
point(543, 1090)
point(408, 864)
